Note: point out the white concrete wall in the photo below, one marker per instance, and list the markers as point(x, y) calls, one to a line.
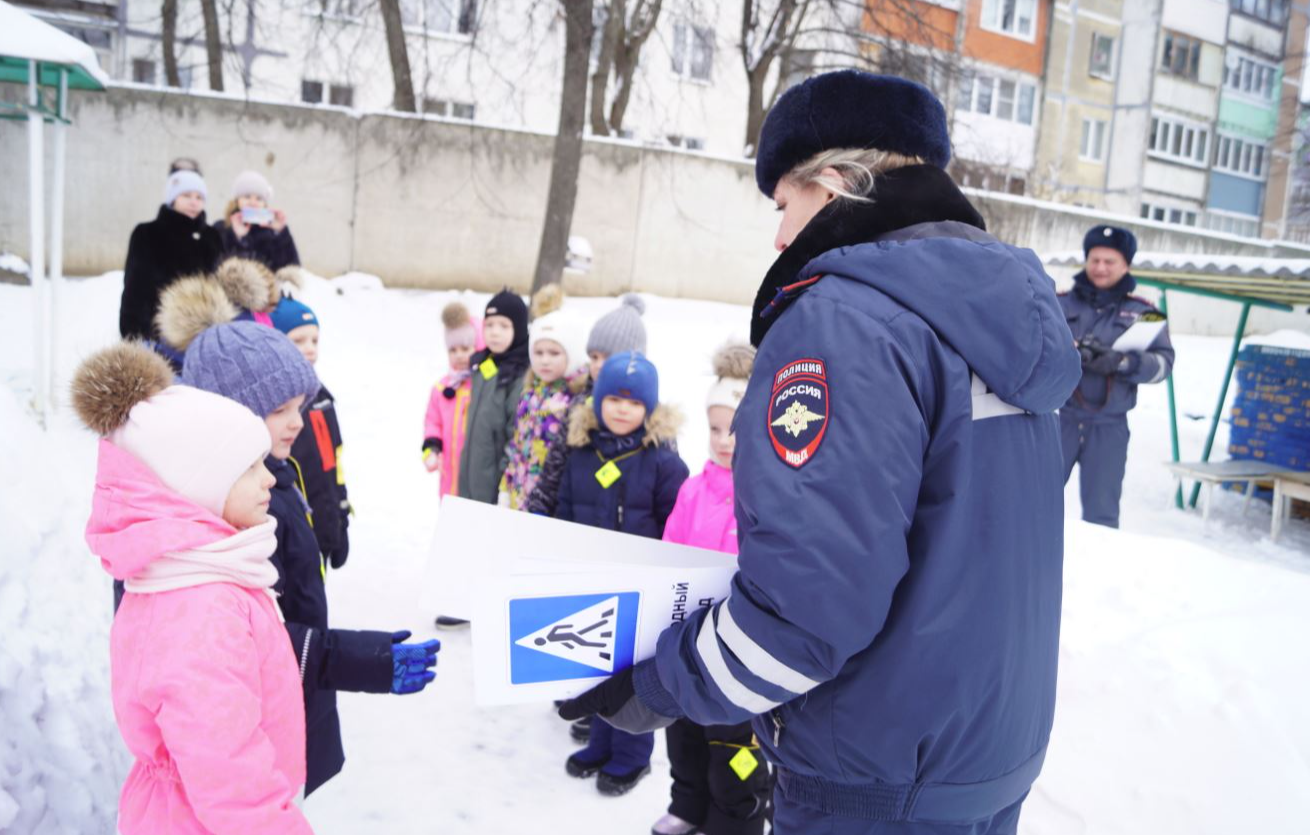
point(1197, 102)
point(1204, 19)
point(1169, 178)
point(431, 203)
point(993, 141)
point(1264, 40)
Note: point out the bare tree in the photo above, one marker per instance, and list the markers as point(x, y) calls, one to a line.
point(769, 29)
point(213, 43)
point(622, 39)
point(398, 51)
point(172, 76)
point(566, 159)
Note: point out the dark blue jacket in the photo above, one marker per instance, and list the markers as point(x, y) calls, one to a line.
point(1103, 316)
point(640, 501)
point(329, 659)
point(274, 250)
point(894, 625)
point(316, 450)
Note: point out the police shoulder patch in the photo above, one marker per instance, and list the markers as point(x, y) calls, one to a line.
point(799, 410)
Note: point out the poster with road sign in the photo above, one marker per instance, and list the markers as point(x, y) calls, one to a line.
point(557, 606)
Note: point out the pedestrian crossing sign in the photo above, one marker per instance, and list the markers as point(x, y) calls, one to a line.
point(571, 636)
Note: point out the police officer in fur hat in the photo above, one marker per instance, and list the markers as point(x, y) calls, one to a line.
point(893, 629)
point(1094, 423)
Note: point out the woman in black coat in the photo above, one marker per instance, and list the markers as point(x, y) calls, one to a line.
point(176, 243)
point(250, 229)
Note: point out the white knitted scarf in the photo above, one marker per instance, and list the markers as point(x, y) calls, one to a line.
point(242, 560)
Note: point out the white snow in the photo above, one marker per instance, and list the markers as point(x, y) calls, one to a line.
point(12, 263)
point(1296, 340)
point(24, 36)
point(1184, 663)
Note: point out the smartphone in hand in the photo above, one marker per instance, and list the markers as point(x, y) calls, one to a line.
point(257, 217)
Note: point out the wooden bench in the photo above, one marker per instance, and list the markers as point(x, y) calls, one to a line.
point(1212, 473)
point(1287, 486)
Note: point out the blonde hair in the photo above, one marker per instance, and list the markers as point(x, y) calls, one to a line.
point(857, 169)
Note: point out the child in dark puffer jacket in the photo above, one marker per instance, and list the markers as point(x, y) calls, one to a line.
point(317, 450)
point(623, 473)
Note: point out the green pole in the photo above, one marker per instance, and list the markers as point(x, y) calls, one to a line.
point(1223, 395)
point(1173, 409)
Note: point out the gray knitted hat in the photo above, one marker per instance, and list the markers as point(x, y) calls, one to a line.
point(253, 364)
point(620, 330)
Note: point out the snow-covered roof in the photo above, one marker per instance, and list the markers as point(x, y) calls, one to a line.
point(23, 38)
point(1280, 280)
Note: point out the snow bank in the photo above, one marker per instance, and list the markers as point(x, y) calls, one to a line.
point(1181, 703)
point(1184, 658)
point(1297, 340)
point(61, 759)
point(12, 263)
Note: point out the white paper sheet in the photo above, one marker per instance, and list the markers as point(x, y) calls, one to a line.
point(1139, 337)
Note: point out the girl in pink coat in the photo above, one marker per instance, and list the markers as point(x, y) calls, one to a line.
point(720, 783)
point(447, 417)
point(205, 686)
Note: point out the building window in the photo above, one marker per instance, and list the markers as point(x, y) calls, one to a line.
point(693, 51)
point(443, 17)
point(1178, 140)
point(143, 71)
point(1012, 101)
point(1011, 17)
point(1254, 78)
point(338, 9)
point(1092, 146)
point(1240, 156)
point(1169, 214)
point(1102, 62)
point(342, 95)
point(1270, 11)
point(1181, 56)
point(465, 111)
point(1247, 226)
point(311, 92)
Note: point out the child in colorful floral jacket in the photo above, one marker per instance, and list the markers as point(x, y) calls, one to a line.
point(557, 378)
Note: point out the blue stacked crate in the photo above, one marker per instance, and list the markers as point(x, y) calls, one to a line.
point(1271, 418)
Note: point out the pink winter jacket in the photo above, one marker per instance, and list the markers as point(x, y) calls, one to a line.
point(447, 420)
point(205, 686)
point(703, 514)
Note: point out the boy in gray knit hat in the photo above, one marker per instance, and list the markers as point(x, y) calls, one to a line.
point(262, 369)
point(617, 331)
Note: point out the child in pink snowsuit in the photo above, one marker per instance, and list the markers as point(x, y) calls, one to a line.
point(720, 784)
point(446, 422)
point(205, 686)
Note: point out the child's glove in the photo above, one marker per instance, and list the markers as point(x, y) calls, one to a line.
point(432, 460)
point(411, 663)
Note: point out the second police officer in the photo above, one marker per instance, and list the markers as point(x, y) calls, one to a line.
point(1094, 423)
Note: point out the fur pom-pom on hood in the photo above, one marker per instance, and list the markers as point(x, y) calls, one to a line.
point(112, 381)
point(547, 300)
point(735, 360)
point(248, 284)
point(455, 315)
point(290, 281)
point(190, 306)
point(662, 425)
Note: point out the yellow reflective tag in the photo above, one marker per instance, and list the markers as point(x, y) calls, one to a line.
point(488, 368)
point(608, 474)
point(341, 474)
point(744, 763)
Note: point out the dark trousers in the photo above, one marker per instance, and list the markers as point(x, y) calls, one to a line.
point(1100, 449)
point(706, 790)
point(622, 752)
point(794, 819)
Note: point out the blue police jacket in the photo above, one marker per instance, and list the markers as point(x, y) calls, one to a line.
point(894, 625)
point(1103, 316)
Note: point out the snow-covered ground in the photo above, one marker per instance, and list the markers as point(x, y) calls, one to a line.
point(1185, 660)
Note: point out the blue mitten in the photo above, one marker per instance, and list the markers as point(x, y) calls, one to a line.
point(411, 664)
